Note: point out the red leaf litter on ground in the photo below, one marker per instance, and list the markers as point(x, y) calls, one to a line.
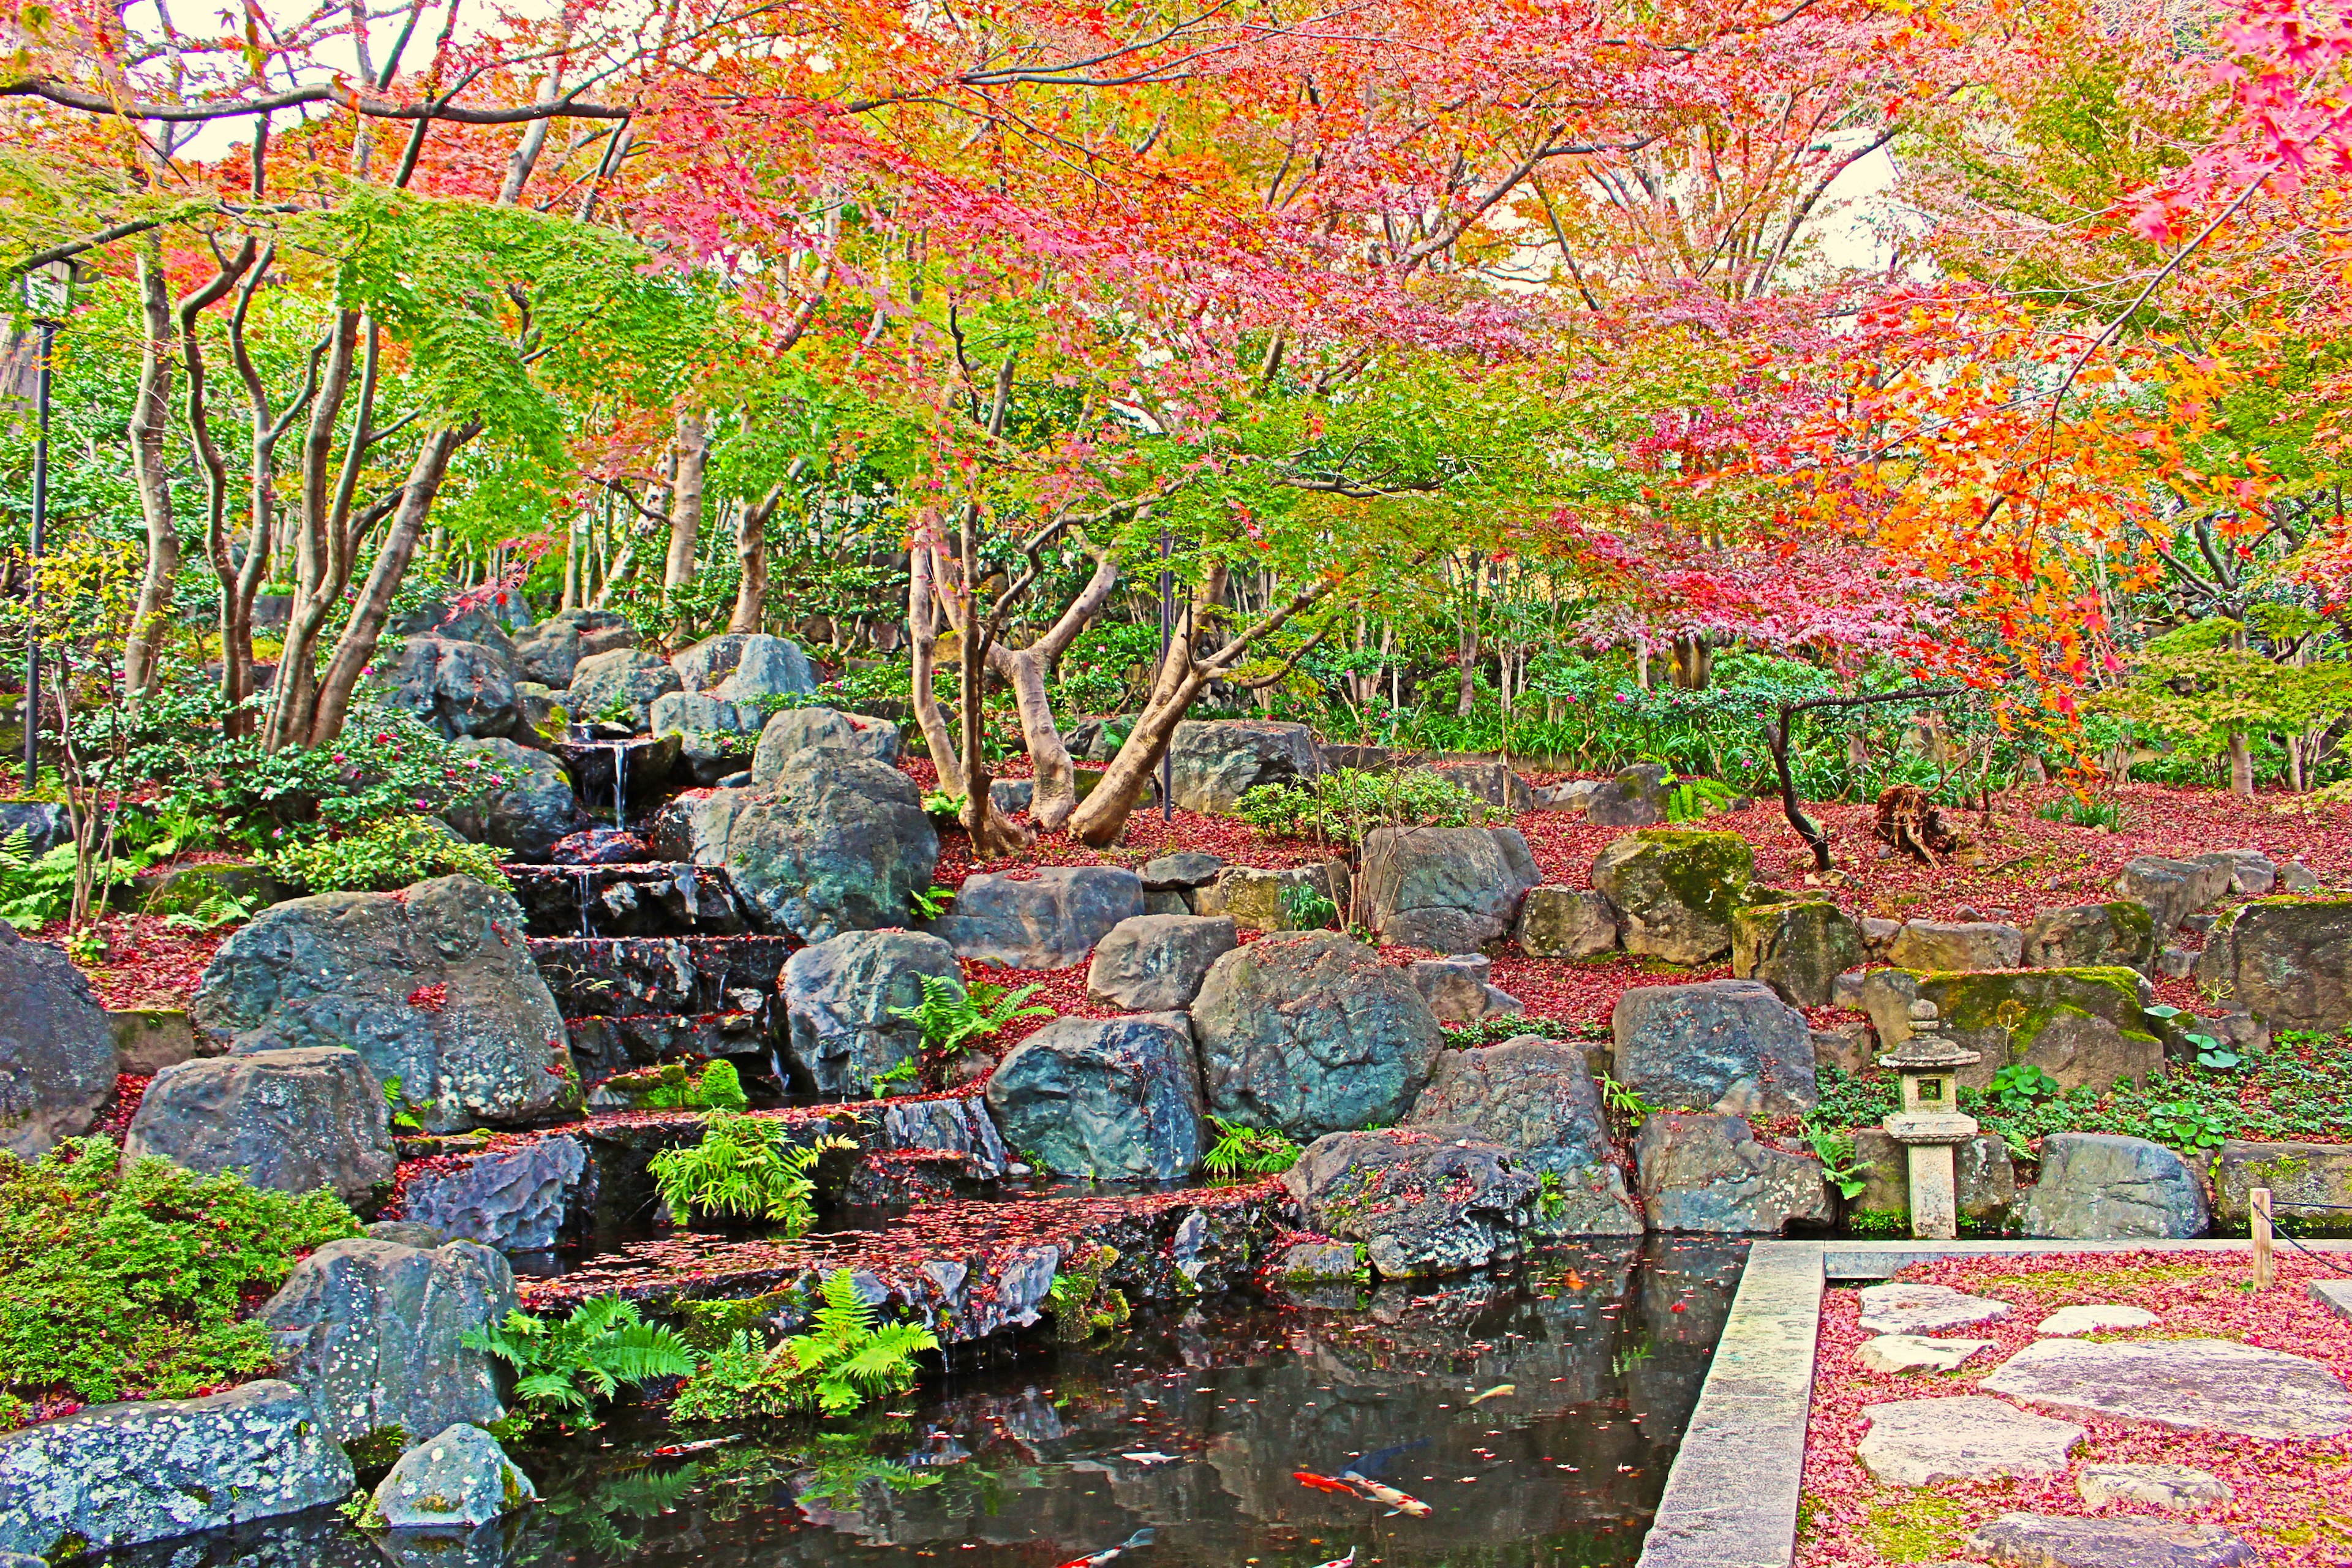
point(2293, 1498)
point(148, 965)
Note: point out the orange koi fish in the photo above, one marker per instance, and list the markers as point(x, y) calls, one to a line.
point(1141, 1538)
point(1323, 1483)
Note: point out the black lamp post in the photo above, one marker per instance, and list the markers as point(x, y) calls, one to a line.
point(49, 295)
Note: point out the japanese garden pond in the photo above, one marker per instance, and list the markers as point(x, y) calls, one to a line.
point(1535, 1410)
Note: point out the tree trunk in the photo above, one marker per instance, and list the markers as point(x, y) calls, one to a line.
point(923, 637)
point(2241, 765)
point(1465, 696)
point(151, 421)
point(315, 590)
point(1054, 794)
point(686, 501)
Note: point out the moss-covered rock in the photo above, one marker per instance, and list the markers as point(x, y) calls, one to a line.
point(1674, 890)
point(1798, 946)
point(2085, 1027)
point(2122, 934)
point(2288, 960)
point(2310, 1183)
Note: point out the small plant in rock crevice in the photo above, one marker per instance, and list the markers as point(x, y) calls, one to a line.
point(1834, 1150)
point(567, 1366)
point(1248, 1151)
point(745, 1167)
point(847, 1357)
point(951, 1015)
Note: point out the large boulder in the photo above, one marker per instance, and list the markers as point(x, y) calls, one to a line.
point(715, 738)
point(795, 728)
point(549, 653)
point(2171, 891)
point(1674, 890)
point(458, 687)
point(1452, 889)
point(1710, 1174)
point(838, 994)
point(694, 826)
point(1150, 963)
point(517, 1199)
point(1798, 946)
point(116, 1475)
point(374, 1333)
point(1257, 898)
point(455, 1480)
point(1049, 918)
point(1421, 1200)
point(620, 686)
point(2310, 1183)
point(1460, 988)
point(529, 816)
point(838, 842)
point(291, 1120)
point(1538, 1096)
point(1566, 922)
point(1635, 797)
point(2288, 960)
point(1728, 1046)
point(2085, 1027)
point(1956, 944)
point(1493, 782)
point(743, 667)
point(1311, 1033)
point(1214, 762)
point(1112, 1098)
point(57, 1048)
point(2092, 936)
point(2101, 1186)
point(431, 986)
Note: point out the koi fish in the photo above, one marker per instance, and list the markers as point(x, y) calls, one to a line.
point(1347, 1561)
point(1323, 1483)
point(1500, 1391)
point(1141, 1538)
point(1380, 1492)
point(700, 1444)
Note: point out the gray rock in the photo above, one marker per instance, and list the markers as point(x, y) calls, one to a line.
point(1878, 934)
point(1710, 1174)
point(458, 687)
point(1011, 797)
point(1316, 1263)
point(515, 1199)
point(2101, 1186)
point(1565, 923)
point(1457, 989)
point(620, 686)
point(1493, 782)
point(1845, 1047)
point(57, 1048)
point(455, 1480)
point(1116, 1099)
point(46, 824)
point(1728, 1046)
point(149, 1040)
point(838, 842)
point(1215, 763)
point(289, 1121)
point(1538, 1096)
point(2308, 1183)
point(1674, 890)
point(409, 1233)
point(1150, 963)
point(1908, 1307)
point(958, 1125)
point(1311, 1033)
point(692, 713)
point(1574, 795)
point(372, 1331)
point(2064, 1541)
point(1919, 1442)
point(490, 618)
point(2174, 890)
point(2286, 960)
point(1451, 889)
point(527, 817)
point(1635, 797)
point(1181, 871)
point(2122, 933)
point(2336, 1295)
point(2188, 1385)
point(2096, 1317)
point(1798, 947)
point(1422, 1200)
point(742, 667)
point(2085, 1027)
point(838, 996)
point(1898, 1354)
point(1047, 919)
point(549, 653)
point(2177, 1488)
point(2251, 872)
point(1938, 945)
point(432, 986)
point(116, 1475)
point(795, 728)
point(1255, 898)
point(2295, 877)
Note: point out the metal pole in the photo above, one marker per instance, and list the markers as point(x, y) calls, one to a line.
point(1167, 633)
point(41, 528)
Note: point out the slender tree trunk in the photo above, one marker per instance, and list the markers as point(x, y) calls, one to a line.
point(314, 589)
point(923, 639)
point(1054, 794)
point(685, 502)
point(751, 557)
point(150, 421)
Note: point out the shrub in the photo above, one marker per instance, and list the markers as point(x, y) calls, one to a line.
point(134, 1282)
point(384, 855)
point(845, 1359)
point(570, 1364)
point(743, 1168)
point(951, 1017)
point(1347, 805)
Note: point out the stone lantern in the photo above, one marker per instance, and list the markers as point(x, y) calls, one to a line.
point(1929, 1126)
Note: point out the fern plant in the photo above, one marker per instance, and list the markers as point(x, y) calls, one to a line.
point(1248, 1151)
point(743, 1168)
point(951, 1017)
point(1625, 1103)
point(1835, 1151)
point(1690, 796)
point(567, 1365)
point(845, 1358)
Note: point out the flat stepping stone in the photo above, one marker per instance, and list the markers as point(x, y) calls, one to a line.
point(2334, 1294)
point(2175, 1487)
point(2189, 1386)
point(1919, 1442)
point(1924, 1308)
point(2094, 1318)
point(1914, 1352)
point(2053, 1541)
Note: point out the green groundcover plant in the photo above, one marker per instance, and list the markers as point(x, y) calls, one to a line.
point(136, 1282)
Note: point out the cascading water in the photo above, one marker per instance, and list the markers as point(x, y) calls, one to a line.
point(584, 878)
point(620, 750)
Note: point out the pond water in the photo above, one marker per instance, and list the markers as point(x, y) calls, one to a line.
point(1189, 1423)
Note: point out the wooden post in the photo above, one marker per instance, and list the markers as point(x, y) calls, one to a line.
point(2259, 1222)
